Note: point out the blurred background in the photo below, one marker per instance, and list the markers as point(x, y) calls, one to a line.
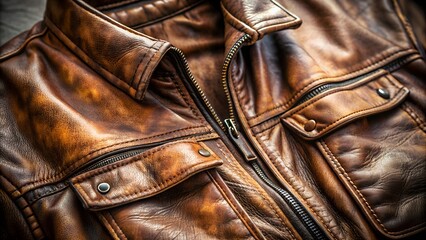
point(18, 15)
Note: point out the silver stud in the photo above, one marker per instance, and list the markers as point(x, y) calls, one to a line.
point(103, 187)
point(383, 93)
point(204, 152)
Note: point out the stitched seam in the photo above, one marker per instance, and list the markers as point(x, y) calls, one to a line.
point(149, 61)
point(280, 7)
point(121, 143)
point(419, 122)
point(232, 205)
point(123, 236)
point(270, 127)
point(34, 229)
point(165, 17)
point(64, 171)
point(350, 88)
point(21, 47)
point(236, 20)
point(272, 19)
point(331, 125)
point(285, 25)
point(241, 173)
point(15, 188)
point(137, 67)
point(63, 35)
point(342, 171)
point(314, 82)
point(145, 154)
point(276, 215)
point(287, 103)
point(240, 186)
point(58, 188)
point(113, 22)
point(391, 80)
point(140, 192)
point(294, 189)
point(108, 225)
point(30, 226)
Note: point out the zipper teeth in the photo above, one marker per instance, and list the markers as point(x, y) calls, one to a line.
point(113, 159)
point(328, 86)
point(289, 199)
point(197, 86)
point(306, 219)
point(226, 64)
point(320, 89)
point(396, 64)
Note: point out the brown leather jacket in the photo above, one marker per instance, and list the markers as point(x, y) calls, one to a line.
point(214, 120)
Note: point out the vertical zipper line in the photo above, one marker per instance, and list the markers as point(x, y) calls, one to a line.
point(225, 83)
point(234, 49)
point(198, 87)
point(238, 140)
point(295, 205)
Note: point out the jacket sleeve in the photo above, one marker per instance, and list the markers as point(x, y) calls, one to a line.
point(12, 223)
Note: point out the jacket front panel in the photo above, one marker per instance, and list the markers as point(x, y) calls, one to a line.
point(107, 130)
point(279, 114)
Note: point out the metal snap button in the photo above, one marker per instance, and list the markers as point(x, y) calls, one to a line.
point(204, 152)
point(383, 93)
point(310, 125)
point(103, 188)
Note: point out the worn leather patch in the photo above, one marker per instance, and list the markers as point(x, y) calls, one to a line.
point(144, 175)
point(339, 106)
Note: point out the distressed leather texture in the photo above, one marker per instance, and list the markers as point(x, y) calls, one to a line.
point(328, 96)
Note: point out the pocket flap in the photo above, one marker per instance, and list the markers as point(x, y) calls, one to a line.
point(142, 176)
point(335, 108)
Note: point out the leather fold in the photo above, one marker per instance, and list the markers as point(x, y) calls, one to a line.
point(145, 175)
point(337, 107)
point(127, 62)
point(245, 17)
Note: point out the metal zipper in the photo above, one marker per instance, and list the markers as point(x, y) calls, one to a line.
point(197, 86)
point(241, 144)
point(121, 154)
point(237, 45)
point(113, 157)
point(234, 49)
point(328, 86)
point(249, 155)
point(230, 127)
point(293, 202)
point(239, 141)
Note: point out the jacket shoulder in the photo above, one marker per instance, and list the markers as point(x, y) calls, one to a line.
point(17, 44)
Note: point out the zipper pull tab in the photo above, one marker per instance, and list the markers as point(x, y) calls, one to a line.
point(239, 141)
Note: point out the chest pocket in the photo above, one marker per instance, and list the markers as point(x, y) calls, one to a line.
point(170, 191)
point(374, 145)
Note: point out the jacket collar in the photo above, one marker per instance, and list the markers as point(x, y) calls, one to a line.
point(257, 18)
point(126, 57)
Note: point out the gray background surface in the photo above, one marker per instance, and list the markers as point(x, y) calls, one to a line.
point(17, 16)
